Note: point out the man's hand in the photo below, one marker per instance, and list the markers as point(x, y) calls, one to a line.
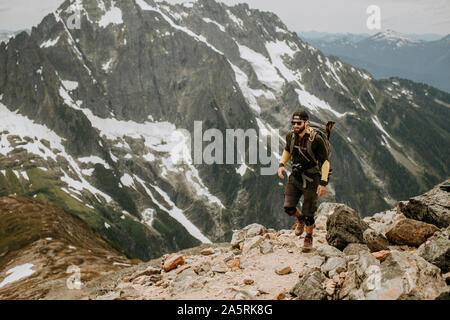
point(280, 172)
point(321, 190)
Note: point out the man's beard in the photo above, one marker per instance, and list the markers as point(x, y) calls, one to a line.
point(299, 130)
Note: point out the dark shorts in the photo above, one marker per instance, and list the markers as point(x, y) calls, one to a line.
point(294, 191)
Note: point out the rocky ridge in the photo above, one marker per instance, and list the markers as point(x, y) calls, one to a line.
point(261, 263)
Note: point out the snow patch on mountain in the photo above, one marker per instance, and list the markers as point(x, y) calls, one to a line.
point(278, 51)
point(112, 16)
point(145, 6)
point(50, 43)
point(70, 85)
point(221, 27)
point(17, 273)
point(313, 103)
point(265, 71)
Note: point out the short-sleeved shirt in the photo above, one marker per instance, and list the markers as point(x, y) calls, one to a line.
point(317, 147)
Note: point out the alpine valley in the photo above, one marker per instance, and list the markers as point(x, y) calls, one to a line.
point(91, 119)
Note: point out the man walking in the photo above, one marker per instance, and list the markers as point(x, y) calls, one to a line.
point(309, 177)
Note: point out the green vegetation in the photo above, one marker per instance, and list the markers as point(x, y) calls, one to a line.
point(110, 184)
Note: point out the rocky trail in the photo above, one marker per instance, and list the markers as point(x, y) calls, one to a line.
point(387, 256)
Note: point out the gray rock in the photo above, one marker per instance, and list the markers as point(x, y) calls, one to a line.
point(187, 280)
point(403, 276)
point(431, 207)
point(329, 251)
point(315, 262)
point(253, 230)
point(345, 226)
point(364, 261)
point(266, 247)
point(337, 264)
point(353, 257)
point(309, 287)
point(375, 241)
point(437, 251)
point(252, 243)
point(355, 248)
point(237, 238)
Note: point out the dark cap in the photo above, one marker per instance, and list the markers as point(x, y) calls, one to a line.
point(302, 114)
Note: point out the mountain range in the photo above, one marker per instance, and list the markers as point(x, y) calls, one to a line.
point(91, 120)
point(392, 54)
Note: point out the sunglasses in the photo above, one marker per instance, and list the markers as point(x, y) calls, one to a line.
point(297, 122)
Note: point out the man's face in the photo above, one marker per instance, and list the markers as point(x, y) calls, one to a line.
point(298, 125)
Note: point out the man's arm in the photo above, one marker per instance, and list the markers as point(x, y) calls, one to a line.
point(325, 171)
point(285, 157)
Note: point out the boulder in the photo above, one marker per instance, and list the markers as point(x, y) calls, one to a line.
point(375, 241)
point(253, 230)
point(410, 232)
point(403, 276)
point(323, 212)
point(337, 264)
point(309, 287)
point(431, 207)
point(237, 238)
point(345, 226)
point(329, 251)
point(355, 248)
point(437, 250)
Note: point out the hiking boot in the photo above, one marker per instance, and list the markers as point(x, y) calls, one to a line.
point(299, 226)
point(307, 243)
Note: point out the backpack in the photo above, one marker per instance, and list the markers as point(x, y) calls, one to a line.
point(324, 133)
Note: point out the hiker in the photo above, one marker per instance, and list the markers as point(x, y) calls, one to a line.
point(309, 154)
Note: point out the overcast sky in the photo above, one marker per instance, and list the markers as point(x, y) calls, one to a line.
point(405, 16)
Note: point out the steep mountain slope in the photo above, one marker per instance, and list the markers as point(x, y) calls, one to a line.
point(387, 54)
point(96, 120)
point(40, 244)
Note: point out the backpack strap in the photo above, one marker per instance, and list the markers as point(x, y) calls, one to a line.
point(291, 149)
point(309, 145)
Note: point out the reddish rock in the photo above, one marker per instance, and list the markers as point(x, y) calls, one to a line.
point(172, 262)
point(281, 296)
point(207, 251)
point(234, 264)
point(283, 270)
point(410, 232)
point(381, 255)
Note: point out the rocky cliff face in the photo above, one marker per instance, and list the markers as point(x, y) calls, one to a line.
point(90, 118)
